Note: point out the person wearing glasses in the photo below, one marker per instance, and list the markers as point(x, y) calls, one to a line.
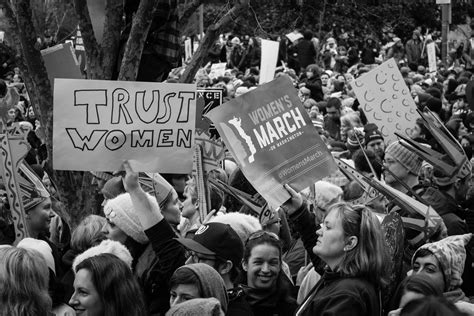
point(268, 289)
point(220, 247)
point(349, 247)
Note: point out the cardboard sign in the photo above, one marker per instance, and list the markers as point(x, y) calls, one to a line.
point(217, 70)
point(99, 124)
point(268, 61)
point(386, 100)
point(60, 62)
point(273, 140)
point(431, 50)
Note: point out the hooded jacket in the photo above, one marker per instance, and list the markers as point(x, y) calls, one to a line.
point(211, 283)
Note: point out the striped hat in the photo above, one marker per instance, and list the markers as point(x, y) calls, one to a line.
point(405, 157)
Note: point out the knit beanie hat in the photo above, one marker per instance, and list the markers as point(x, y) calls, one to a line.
point(451, 255)
point(120, 212)
point(372, 133)
point(197, 306)
point(353, 139)
point(326, 194)
point(243, 224)
point(42, 247)
point(405, 157)
point(210, 281)
point(106, 246)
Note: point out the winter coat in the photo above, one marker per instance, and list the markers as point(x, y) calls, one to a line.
point(306, 53)
point(154, 276)
point(337, 295)
point(314, 85)
point(333, 294)
point(413, 50)
point(278, 302)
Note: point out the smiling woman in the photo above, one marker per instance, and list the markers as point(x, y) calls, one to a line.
point(269, 292)
point(105, 286)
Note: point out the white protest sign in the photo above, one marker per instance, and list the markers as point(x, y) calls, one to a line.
point(188, 49)
point(217, 70)
point(98, 124)
point(268, 61)
point(431, 50)
point(386, 100)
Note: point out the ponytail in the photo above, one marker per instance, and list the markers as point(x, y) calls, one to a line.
point(369, 257)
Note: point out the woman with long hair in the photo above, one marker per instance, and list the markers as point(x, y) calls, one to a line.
point(348, 250)
point(105, 286)
point(23, 283)
point(268, 289)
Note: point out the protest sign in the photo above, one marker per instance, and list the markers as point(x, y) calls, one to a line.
point(188, 50)
point(207, 99)
point(60, 62)
point(217, 70)
point(98, 124)
point(268, 61)
point(431, 50)
point(294, 36)
point(273, 140)
point(386, 100)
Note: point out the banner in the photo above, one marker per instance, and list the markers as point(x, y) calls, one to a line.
point(217, 70)
point(273, 140)
point(268, 60)
point(99, 124)
point(60, 62)
point(431, 50)
point(386, 100)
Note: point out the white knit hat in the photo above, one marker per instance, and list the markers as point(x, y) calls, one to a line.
point(120, 212)
point(106, 246)
point(42, 247)
point(326, 194)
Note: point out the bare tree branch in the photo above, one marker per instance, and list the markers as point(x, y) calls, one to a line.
point(189, 11)
point(90, 41)
point(111, 41)
point(136, 40)
point(211, 36)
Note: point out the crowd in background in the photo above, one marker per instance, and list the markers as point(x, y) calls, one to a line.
point(148, 252)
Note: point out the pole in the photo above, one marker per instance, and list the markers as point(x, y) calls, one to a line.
point(445, 17)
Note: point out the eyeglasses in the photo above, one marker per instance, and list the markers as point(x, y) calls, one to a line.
point(199, 257)
point(260, 234)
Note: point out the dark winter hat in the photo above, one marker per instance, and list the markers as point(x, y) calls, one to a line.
point(372, 133)
point(216, 239)
point(434, 104)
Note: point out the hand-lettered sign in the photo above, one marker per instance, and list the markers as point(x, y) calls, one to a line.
point(273, 140)
point(386, 100)
point(99, 124)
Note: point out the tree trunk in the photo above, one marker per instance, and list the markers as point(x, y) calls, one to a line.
point(211, 36)
point(136, 40)
point(35, 68)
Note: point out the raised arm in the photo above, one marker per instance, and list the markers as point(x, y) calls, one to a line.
point(148, 213)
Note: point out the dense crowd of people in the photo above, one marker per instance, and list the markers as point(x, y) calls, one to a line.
point(149, 252)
